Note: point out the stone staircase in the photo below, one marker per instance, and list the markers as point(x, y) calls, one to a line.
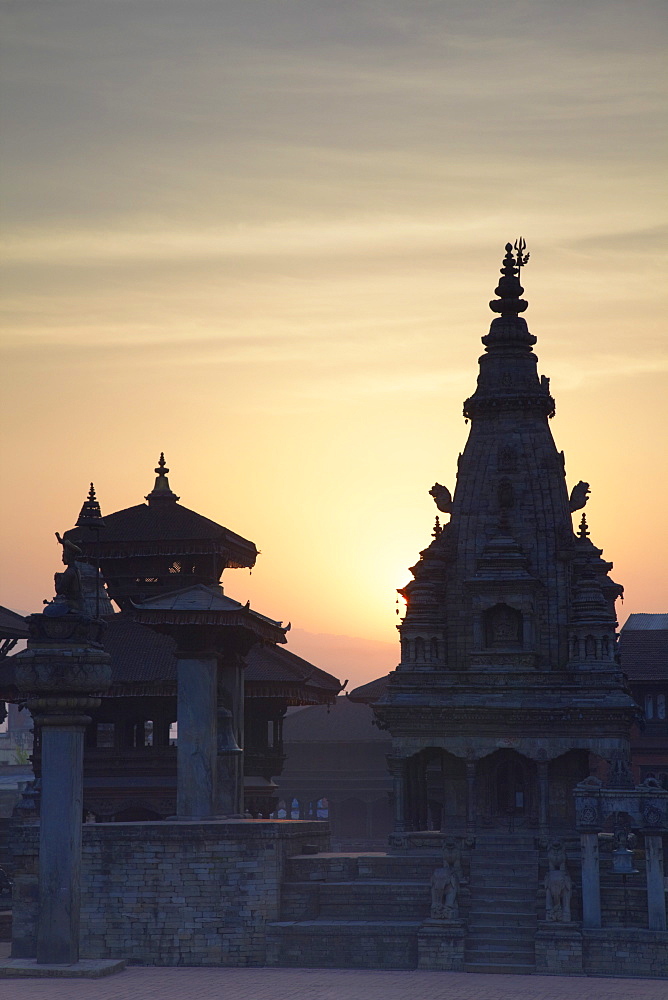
point(502, 920)
point(365, 911)
point(351, 911)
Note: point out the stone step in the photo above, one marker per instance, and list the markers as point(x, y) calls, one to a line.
point(507, 939)
point(488, 904)
point(503, 956)
point(507, 851)
point(524, 969)
point(513, 890)
point(502, 863)
point(522, 884)
point(335, 944)
point(490, 921)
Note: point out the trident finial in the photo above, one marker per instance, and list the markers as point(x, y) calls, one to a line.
point(522, 258)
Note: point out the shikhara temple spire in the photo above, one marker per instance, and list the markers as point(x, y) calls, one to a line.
point(161, 490)
point(90, 515)
point(509, 634)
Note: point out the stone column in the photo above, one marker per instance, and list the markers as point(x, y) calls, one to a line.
point(60, 842)
point(61, 673)
point(470, 797)
point(196, 743)
point(656, 894)
point(397, 766)
point(231, 683)
point(543, 798)
point(591, 882)
point(228, 791)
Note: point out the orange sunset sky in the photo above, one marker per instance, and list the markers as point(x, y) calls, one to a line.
point(261, 235)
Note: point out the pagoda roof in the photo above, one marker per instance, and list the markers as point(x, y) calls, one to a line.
point(143, 663)
point(201, 605)
point(268, 666)
point(161, 523)
point(643, 647)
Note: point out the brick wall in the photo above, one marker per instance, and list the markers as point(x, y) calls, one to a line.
point(626, 951)
point(171, 893)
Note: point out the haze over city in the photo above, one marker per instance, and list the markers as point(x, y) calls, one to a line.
point(261, 237)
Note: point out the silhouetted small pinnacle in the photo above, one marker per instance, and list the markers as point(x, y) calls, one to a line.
point(90, 512)
point(583, 531)
point(438, 528)
point(161, 490)
point(509, 288)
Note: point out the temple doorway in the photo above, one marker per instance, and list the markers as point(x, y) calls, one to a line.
point(510, 790)
point(507, 790)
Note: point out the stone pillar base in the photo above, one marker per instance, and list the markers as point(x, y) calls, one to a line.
point(441, 945)
point(85, 968)
point(559, 949)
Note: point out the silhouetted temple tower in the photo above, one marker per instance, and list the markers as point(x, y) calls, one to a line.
point(508, 681)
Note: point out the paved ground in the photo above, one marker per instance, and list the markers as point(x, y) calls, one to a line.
point(327, 984)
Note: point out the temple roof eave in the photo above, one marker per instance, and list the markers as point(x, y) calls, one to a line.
point(200, 605)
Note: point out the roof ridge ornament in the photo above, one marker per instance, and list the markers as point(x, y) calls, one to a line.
point(509, 289)
point(161, 490)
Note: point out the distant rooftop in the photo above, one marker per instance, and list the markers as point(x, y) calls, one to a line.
point(643, 647)
point(372, 691)
point(12, 625)
point(345, 722)
point(646, 622)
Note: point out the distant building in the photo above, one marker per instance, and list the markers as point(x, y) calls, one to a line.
point(336, 769)
point(643, 646)
point(15, 725)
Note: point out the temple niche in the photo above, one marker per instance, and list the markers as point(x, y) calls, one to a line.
point(503, 627)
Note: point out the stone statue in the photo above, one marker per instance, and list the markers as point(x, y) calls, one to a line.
point(558, 885)
point(442, 497)
point(445, 884)
point(79, 589)
point(625, 838)
point(579, 496)
point(68, 584)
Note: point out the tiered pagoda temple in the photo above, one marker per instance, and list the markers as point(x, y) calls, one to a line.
point(509, 690)
point(148, 552)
